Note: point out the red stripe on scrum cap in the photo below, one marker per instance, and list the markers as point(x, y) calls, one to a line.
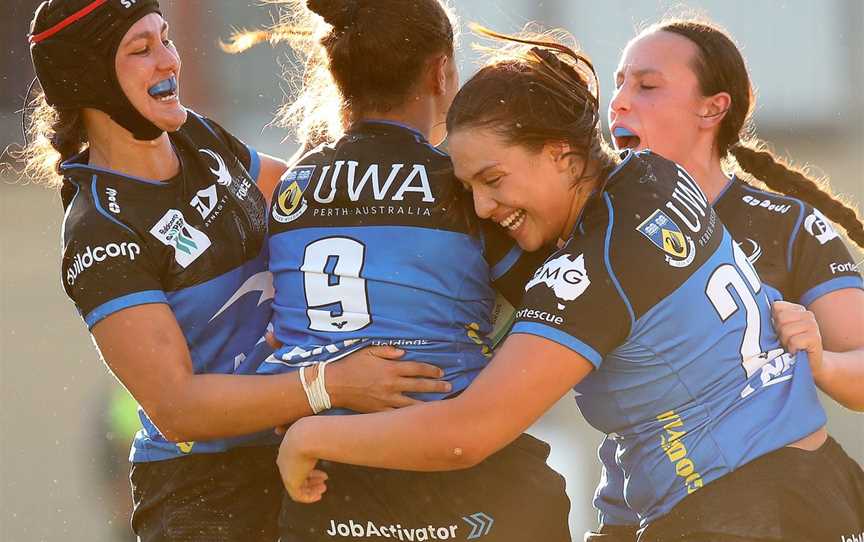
point(80, 14)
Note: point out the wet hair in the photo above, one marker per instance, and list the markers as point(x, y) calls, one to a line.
point(359, 56)
point(719, 67)
point(533, 91)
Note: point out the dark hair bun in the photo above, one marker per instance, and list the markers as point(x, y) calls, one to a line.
point(338, 13)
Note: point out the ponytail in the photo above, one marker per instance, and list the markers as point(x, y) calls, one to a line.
point(753, 158)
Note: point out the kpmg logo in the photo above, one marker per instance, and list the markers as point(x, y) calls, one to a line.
point(565, 276)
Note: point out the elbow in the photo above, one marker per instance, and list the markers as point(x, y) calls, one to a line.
point(174, 425)
point(465, 456)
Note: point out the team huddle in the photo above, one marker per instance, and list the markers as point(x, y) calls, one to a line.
point(350, 344)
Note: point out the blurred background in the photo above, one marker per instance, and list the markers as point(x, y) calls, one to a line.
point(65, 425)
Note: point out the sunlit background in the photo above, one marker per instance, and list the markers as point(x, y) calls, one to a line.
point(64, 434)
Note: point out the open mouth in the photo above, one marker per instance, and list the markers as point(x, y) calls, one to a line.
point(513, 221)
point(625, 139)
point(164, 91)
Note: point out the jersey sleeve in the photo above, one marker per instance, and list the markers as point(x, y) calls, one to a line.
point(106, 268)
point(818, 260)
point(573, 299)
point(510, 267)
point(247, 155)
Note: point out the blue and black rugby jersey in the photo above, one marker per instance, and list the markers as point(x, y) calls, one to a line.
point(195, 242)
point(797, 253)
point(690, 381)
point(793, 246)
point(373, 240)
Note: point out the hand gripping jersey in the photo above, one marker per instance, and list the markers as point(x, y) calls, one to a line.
point(373, 240)
point(195, 242)
point(798, 255)
point(690, 380)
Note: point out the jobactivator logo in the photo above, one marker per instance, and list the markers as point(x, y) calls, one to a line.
point(474, 526)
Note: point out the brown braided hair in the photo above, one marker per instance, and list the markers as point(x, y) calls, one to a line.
point(720, 67)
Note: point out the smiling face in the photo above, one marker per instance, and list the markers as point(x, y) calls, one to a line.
point(657, 102)
point(148, 69)
point(530, 194)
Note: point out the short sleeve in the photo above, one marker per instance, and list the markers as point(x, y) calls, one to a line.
point(819, 261)
point(247, 155)
point(574, 300)
point(510, 267)
point(106, 267)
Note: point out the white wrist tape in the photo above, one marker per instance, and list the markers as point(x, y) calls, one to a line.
point(316, 391)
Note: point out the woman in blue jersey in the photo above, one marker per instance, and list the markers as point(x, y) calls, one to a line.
point(648, 308)
point(164, 256)
point(682, 90)
point(376, 235)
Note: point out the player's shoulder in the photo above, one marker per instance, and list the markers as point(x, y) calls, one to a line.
point(643, 179)
point(92, 214)
point(751, 203)
point(661, 228)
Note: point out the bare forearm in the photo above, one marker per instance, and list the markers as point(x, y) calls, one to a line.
point(210, 406)
point(842, 378)
point(414, 439)
point(506, 398)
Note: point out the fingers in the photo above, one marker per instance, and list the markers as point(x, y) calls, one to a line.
point(272, 341)
point(789, 313)
point(422, 385)
point(401, 401)
point(386, 352)
point(312, 489)
point(415, 369)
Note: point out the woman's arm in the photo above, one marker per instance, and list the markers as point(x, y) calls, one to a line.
point(145, 348)
point(272, 170)
point(840, 315)
point(525, 378)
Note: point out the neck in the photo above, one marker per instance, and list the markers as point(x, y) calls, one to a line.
point(581, 192)
point(706, 170)
point(418, 113)
point(115, 148)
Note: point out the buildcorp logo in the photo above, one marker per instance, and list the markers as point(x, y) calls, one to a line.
point(93, 255)
point(479, 524)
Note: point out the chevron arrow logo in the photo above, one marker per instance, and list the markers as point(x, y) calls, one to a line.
point(480, 524)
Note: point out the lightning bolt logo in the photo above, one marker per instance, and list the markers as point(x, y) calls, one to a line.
point(259, 282)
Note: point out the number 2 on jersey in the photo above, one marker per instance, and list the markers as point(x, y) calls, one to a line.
point(737, 278)
point(336, 293)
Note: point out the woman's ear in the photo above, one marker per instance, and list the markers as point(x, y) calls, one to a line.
point(437, 74)
point(714, 109)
